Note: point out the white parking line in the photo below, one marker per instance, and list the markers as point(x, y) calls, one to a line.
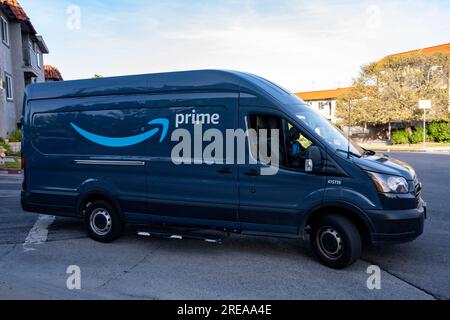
point(38, 234)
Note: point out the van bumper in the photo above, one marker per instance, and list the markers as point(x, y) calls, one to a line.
point(397, 226)
point(29, 203)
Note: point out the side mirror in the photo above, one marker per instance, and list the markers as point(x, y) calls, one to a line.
point(314, 161)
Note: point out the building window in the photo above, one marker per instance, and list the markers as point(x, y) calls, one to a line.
point(39, 59)
point(5, 31)
point(326, 108)
point(9, 87)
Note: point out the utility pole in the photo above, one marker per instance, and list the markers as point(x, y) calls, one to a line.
point(349, 127)
point(424, 129)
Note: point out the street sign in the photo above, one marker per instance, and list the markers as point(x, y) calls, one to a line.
point(424, 104)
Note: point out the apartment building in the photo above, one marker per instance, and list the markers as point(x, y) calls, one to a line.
point(325, 100)
point(21, 62)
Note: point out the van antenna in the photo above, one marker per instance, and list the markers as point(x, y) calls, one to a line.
point(349, 128)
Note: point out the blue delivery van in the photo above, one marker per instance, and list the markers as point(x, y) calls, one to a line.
point(166, 151)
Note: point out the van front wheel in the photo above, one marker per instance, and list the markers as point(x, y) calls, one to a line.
point(336, 241)
point(102, 221)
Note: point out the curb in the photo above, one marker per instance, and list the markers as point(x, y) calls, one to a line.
point(414, 151)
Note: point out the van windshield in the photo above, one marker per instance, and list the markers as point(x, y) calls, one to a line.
point(329, 133)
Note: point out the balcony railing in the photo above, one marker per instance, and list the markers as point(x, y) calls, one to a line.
point(30, 58)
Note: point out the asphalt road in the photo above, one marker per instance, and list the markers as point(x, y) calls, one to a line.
point(242, 267)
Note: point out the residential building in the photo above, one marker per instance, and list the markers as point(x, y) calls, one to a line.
point(443, 48)
point(21, 62)
point(325, 100)
point(52, 74)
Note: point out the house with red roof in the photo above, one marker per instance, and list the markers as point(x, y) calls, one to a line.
point(52, 74)
point(22, 52)
point(324, 100)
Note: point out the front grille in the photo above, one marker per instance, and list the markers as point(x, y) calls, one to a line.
point(417, 191)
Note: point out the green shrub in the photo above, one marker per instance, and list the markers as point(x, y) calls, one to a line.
point(16, 136)
point(5, 146)
point(439, 131)
point(400, 137)
point(417, 136)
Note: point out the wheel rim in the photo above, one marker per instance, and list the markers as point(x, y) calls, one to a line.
point(100, 221)
point(330, 243)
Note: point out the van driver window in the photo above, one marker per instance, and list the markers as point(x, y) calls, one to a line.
point(293, 145)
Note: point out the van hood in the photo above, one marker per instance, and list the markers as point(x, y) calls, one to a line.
point(384, 164)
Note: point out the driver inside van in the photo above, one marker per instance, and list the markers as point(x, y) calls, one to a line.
point(295, 149)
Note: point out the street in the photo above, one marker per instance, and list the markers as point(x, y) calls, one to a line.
point(35, 253)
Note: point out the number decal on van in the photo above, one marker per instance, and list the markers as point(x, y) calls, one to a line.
point(335, 182)
point(127, 141)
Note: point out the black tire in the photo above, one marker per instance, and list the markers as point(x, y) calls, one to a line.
point(102, 221)
point(336, 241)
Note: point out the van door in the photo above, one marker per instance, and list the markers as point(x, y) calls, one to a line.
point(194, 192)
point(276, 203)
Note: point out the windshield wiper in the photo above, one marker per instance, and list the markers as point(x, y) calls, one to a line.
point(349, 152)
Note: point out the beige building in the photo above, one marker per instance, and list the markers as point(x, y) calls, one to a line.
point(21, 62)
point(325, 100)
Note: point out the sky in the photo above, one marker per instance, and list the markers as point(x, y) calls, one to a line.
point(301, 45)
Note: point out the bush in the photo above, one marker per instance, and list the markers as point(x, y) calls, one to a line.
point(439, 131)
point(400, 137)
point(16, 136)
point(416, 136)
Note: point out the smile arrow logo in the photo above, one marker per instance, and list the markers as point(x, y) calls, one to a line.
point(127, 141)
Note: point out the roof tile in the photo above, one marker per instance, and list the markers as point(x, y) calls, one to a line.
point(15, 8)
point(323, 94)
point(443, 48)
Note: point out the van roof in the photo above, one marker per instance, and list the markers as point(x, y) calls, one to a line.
point(189, 81)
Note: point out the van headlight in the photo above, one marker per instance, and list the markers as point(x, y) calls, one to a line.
point(389, 184)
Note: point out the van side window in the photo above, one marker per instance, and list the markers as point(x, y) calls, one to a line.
point(293, 144)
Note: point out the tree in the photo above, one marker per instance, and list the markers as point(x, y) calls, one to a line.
point(389, 90)
point(97, 76)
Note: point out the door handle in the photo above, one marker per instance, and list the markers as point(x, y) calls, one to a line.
point(253, 173)
point(225, 170)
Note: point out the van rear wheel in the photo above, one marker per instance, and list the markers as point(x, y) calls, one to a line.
point(102, 221)
point(336, 241)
